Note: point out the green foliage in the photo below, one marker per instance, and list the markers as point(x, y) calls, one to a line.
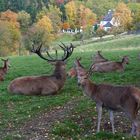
point(9, 38)
point(100, 32)
point(116, 30)
point(24, 19)
point(135, 9)
point(100, 8)
point(36, 36)
point(123, 18)
point(78, 36)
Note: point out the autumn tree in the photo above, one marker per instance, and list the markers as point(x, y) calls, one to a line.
point(65, 26)
point(10, 38)
point(41, 32)
point(87, 17)
point(24, 19)
point(100, 7)
point(54, 15)
point(79, 15)
point(10, 17)
point(71, 13)
point(135, 8)
point(123, 15)
point(10, 33)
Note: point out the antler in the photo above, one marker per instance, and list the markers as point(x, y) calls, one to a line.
point(67, 52)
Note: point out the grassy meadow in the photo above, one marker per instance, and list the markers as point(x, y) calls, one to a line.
point(80, 122)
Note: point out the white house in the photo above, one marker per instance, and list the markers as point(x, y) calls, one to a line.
point(108, 21)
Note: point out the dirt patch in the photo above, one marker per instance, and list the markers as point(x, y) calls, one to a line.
point(39, 127)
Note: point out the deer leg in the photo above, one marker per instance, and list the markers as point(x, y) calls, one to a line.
point(133, 130)
point(99, 110)
point(112, 121)
point(137, 128)
point(132, 114)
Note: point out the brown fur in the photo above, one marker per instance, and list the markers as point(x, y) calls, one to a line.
point(43, 85)
point(99, 58)
point(110, 66)
point(116, 98)
point(4, 69)
point(40, 85)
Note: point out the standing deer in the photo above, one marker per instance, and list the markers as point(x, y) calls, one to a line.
point(4, 69)
point(113, 98)
point(110, 66)
point(43, 85)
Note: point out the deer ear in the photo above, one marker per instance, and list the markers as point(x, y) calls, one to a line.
point(2, 59)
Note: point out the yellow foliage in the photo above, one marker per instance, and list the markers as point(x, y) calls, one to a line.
point(10, 39)
point(45, 23)
point(123, 15)
point(71, 10)
point(79, 15)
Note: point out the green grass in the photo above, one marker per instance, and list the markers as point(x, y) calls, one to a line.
point(15, 110)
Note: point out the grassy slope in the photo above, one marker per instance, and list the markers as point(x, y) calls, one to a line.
point(16, 109)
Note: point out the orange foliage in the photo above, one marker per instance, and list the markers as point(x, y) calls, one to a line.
point(65, 25)
point(10, 17)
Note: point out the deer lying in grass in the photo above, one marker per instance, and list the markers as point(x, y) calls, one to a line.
point(110, 66)
point(43, 85)
point(4, 69)
point(98, 58)
point(114, 98)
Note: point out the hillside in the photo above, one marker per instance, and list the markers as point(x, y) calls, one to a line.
point(68, 114)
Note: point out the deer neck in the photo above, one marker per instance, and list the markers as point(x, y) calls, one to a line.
point(60, 73)
point(123, 63)
point(89, 88)
point(5, 67)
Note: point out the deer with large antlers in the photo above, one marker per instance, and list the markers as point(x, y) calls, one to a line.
point(43, 85)
point(113, 98)
point(4, 69)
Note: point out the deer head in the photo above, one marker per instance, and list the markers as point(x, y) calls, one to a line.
point(125, 60)
point(6, 63)
point(82, 74)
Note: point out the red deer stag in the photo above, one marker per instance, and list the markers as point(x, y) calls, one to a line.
point(43, 85)
point(96, 59)
point(113, 98)
point(4, 69)
point(110, 66)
